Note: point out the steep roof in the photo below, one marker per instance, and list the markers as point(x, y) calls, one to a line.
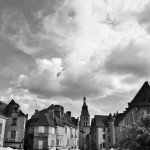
point(100, 120)
point(21, 114)
point(41, 120)
point(142, 98)
point(84, 111)
point(110, 118)
point(143, 95)
point(8, 110)
point(48, 117)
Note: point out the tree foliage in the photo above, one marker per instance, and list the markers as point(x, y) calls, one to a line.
point(137, 136)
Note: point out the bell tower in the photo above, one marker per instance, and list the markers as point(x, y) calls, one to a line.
point(85, 117)
point(84, 125)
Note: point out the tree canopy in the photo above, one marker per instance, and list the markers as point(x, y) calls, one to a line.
point(137, 136)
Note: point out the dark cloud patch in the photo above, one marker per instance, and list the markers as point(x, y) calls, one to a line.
point(44, 36)
point(144, 17)
point(13, 62)
point(131, 60)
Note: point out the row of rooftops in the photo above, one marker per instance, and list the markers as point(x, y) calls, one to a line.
point(53, 116)
point(142, 98)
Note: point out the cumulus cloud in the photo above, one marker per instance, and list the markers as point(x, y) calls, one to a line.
point(131, 60)
point(71, 47)
point(51, 79)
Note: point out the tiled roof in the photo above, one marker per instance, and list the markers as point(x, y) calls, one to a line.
point(41, 120)
point(21, 114)
point(51, 119)
point(59, 122)
point(100, 121)
point(8, 110)
point(142, 94)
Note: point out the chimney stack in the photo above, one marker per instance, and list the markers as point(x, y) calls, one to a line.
point(36, 111)
point(58, 111)
point(51, 113)
point(62, 111)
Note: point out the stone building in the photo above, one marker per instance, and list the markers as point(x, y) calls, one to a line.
point(2, 128)
point(137, 108)
point(107, 131)
point(51, 128)
point(15, 124)
point(84, 125)
point(102, 132)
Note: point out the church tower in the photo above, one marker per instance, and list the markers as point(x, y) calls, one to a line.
point(84, 125)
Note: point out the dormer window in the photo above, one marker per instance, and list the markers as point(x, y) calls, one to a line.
point(15, 109)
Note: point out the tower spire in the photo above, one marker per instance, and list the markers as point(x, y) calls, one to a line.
point(84, 99)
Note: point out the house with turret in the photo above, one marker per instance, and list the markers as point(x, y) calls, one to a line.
point(102, 132)
point(107, 131)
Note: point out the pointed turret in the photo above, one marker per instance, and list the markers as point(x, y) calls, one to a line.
point(84, 111)
point(110, 118)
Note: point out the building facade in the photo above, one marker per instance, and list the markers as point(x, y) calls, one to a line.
point(107, 131)
point(2, 128)
point(14, 124)
point(51, 128)
point(84, 125)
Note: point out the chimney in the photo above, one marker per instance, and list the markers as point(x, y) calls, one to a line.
point(69, 114)
point(62, 111)
point(58, 111)
point(36, 111)
point(51, 113)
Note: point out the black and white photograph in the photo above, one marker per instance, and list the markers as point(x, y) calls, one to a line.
point(74, 74)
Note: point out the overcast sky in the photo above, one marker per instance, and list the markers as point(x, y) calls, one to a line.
point(57, 51)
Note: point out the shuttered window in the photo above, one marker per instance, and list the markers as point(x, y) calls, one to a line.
point(13, 135)
point(41, 129)
point(40, 145)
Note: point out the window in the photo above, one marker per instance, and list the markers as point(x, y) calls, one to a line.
point(108, 130)
point(52, 143)
point(109, 138)
point(101, 146)
point(103, 129)
point(86, 118)
point(0, 128)
point(51, 130)
point(104, 145)
point(41, 129)
point(14, 121)
point(15, 109)
point(40, 146)
point(66, 130)
point(57, 142)
point(67, 142)
point(13, 135)
point(103, 136)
